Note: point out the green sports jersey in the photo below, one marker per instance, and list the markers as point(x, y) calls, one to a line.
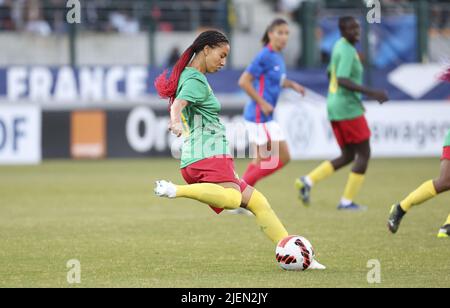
point(344, 104)
point(447, 140)
point(205, 135)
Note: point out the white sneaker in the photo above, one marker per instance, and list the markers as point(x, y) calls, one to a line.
point(316, 266)
point(240, 211)
point(165, 189)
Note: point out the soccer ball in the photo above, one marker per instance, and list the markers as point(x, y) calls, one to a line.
point(295, 253)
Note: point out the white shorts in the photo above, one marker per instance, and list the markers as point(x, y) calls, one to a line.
point(259, 133)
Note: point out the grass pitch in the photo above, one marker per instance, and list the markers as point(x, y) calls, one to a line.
point(104, 214)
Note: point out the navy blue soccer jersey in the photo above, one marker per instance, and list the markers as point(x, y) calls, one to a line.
point(269, 71)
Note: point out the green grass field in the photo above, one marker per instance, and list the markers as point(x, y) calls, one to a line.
point(105, 215)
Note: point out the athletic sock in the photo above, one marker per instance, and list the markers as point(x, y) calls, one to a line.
point(354, 184)
point(211, 194)
point(424, 193)
point(325, 170)
point(266, 217)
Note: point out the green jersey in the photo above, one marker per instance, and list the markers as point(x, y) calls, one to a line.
point(447, 140)
point(205, 135)
point(344, 104)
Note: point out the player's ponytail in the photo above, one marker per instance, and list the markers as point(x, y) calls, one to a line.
point(167, 86)
point(446, 76)
point(277, 22)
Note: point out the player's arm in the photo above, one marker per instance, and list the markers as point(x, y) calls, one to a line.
point(246, 84)
point(294, 86)
point(345, 63)
point(176, 124)
point(380, 95)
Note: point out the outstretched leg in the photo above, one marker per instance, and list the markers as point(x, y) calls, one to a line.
point(216, 195)
point(425, 192)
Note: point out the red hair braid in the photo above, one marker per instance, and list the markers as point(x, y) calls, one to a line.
point(167, 87)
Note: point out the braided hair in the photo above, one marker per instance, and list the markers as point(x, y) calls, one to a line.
point(167, 87)
point(446, 76)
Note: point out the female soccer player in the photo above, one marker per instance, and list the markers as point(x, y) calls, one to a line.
point(346, 114)
point(206, 162)
point(427, 190)
point(263, 81)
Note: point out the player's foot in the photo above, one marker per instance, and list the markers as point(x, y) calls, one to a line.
point(240, 211)
point(395, 218)
point(316, 266)
point(351, 207)
point(304, 190)
point(444, 232)
point(165, 189)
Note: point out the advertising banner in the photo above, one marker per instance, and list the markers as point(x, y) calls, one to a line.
point(20, 135)
point(398, 130)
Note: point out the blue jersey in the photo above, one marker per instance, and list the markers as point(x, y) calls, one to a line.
point(269, 71)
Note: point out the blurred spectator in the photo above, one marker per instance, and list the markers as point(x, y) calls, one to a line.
point(35, 21)
point(289, 6)
point(440, 15)
point(54, 14)
point(6, 22)
point(173, 57)
point(125, 16)
point(124, 23)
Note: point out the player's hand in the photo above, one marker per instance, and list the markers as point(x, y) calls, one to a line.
point(267, 109)
point(381, 96)
point(298, 88)
point(176, 128)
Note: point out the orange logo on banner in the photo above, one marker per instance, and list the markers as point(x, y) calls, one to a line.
point(88, 134)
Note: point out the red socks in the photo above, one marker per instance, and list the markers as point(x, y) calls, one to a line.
point(267, 167)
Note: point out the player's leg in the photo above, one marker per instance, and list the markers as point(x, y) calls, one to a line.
point(323, 171)
point(304, 184)
point(272, 153)
point(356, 179)
point(266, 218)
point(423, 193)
point(213, 181)
point(222, 196)
point(250, 175)
point(444, 232)
point(257, 138)
point(267, 161)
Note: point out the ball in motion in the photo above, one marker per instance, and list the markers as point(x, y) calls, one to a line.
point(295, 253)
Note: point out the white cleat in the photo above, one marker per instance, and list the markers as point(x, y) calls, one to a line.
point(316, 266)
point(240, 211)
point(165, 189)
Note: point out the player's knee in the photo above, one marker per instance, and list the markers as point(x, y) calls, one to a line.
point(234, 199)
point(348, 158)
point(442, 184)
point(258, 203)
point(366, 156)
point(360, 167)
point(286, 160)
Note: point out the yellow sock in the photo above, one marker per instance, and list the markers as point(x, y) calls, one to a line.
point(448, 221)
point(211, 194)
point(266, 217)
point(419, 196)
point(322, 172)
point(354, 184)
